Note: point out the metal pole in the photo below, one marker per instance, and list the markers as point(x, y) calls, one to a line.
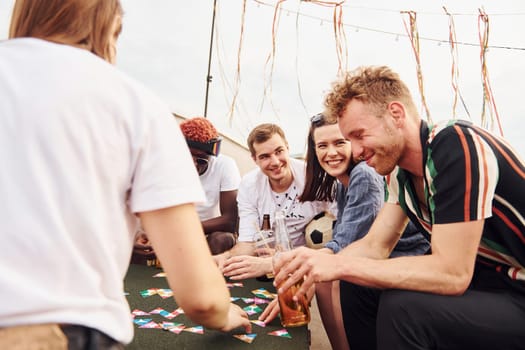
point(208, 76)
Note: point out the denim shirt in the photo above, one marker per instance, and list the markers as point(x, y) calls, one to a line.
point(358, 206)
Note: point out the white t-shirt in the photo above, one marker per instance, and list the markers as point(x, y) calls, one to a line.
point(256, 198)
point(222, 175)
point(83, 148)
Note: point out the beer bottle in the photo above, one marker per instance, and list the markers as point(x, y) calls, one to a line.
point(266, 223)
point(264, 240)
point(293, 313)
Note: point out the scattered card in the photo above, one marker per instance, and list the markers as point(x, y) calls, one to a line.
point(141, 321)
point(157, 311)
point(252, 309)
point(281, 333)
point(235, 284)
point(247, 338)
point(138, 312)
point(259, 301)
point(178, 311)
point(196, 329)
point(179, 327)
point(148, 292)
point(164, 293)
point(150, 325)
point(258, 322)
point(172, 327)
point(263, 293)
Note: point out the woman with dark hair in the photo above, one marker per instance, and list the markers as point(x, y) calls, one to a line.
point(332, 174)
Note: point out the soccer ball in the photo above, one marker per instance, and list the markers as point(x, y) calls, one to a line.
point(319, 231)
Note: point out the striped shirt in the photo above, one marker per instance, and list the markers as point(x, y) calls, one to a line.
point(470, 175)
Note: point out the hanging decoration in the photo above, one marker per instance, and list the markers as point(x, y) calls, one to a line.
point(488, 97)
point(339, 33)
point(413, 35)
point(237, 81)
point(270, 60)
point(455, 65)
point(297, 75)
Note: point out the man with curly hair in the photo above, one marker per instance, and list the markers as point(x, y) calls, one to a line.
point(461, 185)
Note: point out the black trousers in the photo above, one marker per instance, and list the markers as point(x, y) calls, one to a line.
point(85, 338)
point(397, 319)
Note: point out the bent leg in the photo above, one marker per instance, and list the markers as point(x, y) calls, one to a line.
point(219, 242)
point(327, 295)
point(474, 320)
point(359, 307)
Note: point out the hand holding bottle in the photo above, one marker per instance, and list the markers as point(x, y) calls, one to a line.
point(294, 310)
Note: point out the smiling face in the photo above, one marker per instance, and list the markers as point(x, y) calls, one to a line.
point(376, 140)
point(333, 151)
point(273, 159)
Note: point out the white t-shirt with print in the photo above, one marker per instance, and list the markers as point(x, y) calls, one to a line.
point(256, 198)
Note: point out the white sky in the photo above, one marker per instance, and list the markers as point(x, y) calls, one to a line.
point(165, 44)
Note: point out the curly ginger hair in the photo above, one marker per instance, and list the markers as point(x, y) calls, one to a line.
point(198, 129)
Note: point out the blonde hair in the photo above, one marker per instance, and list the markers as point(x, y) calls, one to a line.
point(83, 23)
point(375, 86)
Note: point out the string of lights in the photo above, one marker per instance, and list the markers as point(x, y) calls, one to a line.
point(398, 35)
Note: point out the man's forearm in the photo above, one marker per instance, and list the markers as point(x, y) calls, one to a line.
point(242, 248)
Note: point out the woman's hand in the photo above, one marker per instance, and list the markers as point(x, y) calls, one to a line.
point(237, 317)
point(271, 311)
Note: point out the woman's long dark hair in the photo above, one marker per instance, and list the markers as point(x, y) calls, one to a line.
point(319, 185)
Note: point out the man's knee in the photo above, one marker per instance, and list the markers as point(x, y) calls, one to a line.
point(401, 319)
point(219, 242)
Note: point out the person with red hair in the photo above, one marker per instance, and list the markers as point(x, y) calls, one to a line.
point(220, 178)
